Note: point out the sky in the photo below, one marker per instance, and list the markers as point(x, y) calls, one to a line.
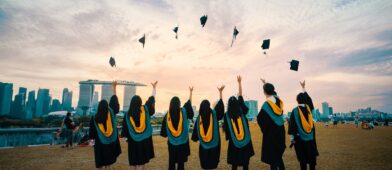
point(344, 48)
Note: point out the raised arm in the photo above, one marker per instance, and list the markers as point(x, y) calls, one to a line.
point(239, 85)
point(190, 93)
point(114, 87)
point(219, 107)
point(150, 103)
point(308, 100)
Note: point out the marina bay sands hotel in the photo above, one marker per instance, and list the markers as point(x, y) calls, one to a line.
point(88, 97)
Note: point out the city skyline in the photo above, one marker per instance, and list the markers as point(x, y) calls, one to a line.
point(344, 48)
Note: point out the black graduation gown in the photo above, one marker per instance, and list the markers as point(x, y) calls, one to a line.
point(105, 154)
point(238, 156)
point(179, 153)
point(209, 158)
point(306, 150)
point(274, 138)
point(139, 153)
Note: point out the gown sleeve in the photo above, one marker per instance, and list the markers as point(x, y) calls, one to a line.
point(244, 108)
point(292, 125)
point(309, 101)
point(226, 129)
point(163, 128)
point(92, 131)
point(264, 121)
point(195, 137)
point(124, 132)
point(113, 104)
point(150, 104)
point(189, 110)
point(219, 110)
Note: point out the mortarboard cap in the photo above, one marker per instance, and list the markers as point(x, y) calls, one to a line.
point(143, 40)
point(203, 20)
point(112, 62)
point(235, 33)
point(294, 65)
point(175, 29)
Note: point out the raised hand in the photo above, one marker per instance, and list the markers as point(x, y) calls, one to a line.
point(191, 89)
point(239, 79)
point(221, 88)
point(190, 92)
point(154, 84)
point(263, 80)
point(114, 86)
point(302, 84)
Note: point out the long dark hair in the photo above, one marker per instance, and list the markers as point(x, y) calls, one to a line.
point(204, 111)
point(233, 108)
point(102, 113)
point(269, 89)
point(174, 109)
point(301, 99)
point(134, 108)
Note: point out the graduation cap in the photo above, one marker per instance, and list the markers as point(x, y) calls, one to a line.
point(203, 20)
point(175, 29)
point(265, 45)
point(112, 62)
point(235, 33)
point(294, 65)
point(143, 40)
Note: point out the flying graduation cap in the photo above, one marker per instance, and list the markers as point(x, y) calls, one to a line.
point(175, 29)
point(112, 62)
point(143, 40)
point(294, 65)
point(203, 20)
point(235, 33)
point(265, 45)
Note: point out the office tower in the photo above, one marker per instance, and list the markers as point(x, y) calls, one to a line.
point(30, 106)
point(330, 110)
point(43, 103)
point(129, 92)
point(23, 91)
point(66, 99)
point(253, 109)
point(106, 92)
point(85, 98)
point(6, 93)
point(325, 106)
point(56, 105)
point(18, 107)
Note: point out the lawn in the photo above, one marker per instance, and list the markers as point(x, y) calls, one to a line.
point(342, 147)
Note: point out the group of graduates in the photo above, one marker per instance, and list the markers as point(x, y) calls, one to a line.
point(138, 131)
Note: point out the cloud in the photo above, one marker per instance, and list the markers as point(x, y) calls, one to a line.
point(58, 43)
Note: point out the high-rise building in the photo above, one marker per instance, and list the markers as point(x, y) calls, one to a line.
point(43, 103)
point(253, 109)
point(85, 98)
point(6, 93)
point(106, 92)
point(330, 110)
point(67, 99)
point(95, 101)
point(325, 106)
point(30, 106)
point(17, 108)
point(56, 105)
point(129, 92)
point(23, 91)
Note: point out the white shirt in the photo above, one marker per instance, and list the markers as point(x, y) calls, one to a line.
point(272, 98)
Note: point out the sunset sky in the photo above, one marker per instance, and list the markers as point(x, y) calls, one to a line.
point(344, 48)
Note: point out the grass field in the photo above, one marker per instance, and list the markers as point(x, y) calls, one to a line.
point(343, 147)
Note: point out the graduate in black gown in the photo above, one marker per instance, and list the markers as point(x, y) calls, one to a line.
point(175, 127)
point(236, 128)
point(206, 130)
point(103, 129)
point(302, 131)
point(271, 122)
point(138, 130)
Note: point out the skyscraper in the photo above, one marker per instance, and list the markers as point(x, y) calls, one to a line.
point(106, 92)
point(6, 93)
point(330, 110)
point(325, 106)
point(253, 109)
point(129, 92)
point(85, 98)
point(17, 108)
point(43, 103)
point(23, 91)
point(56, 105)
point(30, 106)
point(67, 99)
